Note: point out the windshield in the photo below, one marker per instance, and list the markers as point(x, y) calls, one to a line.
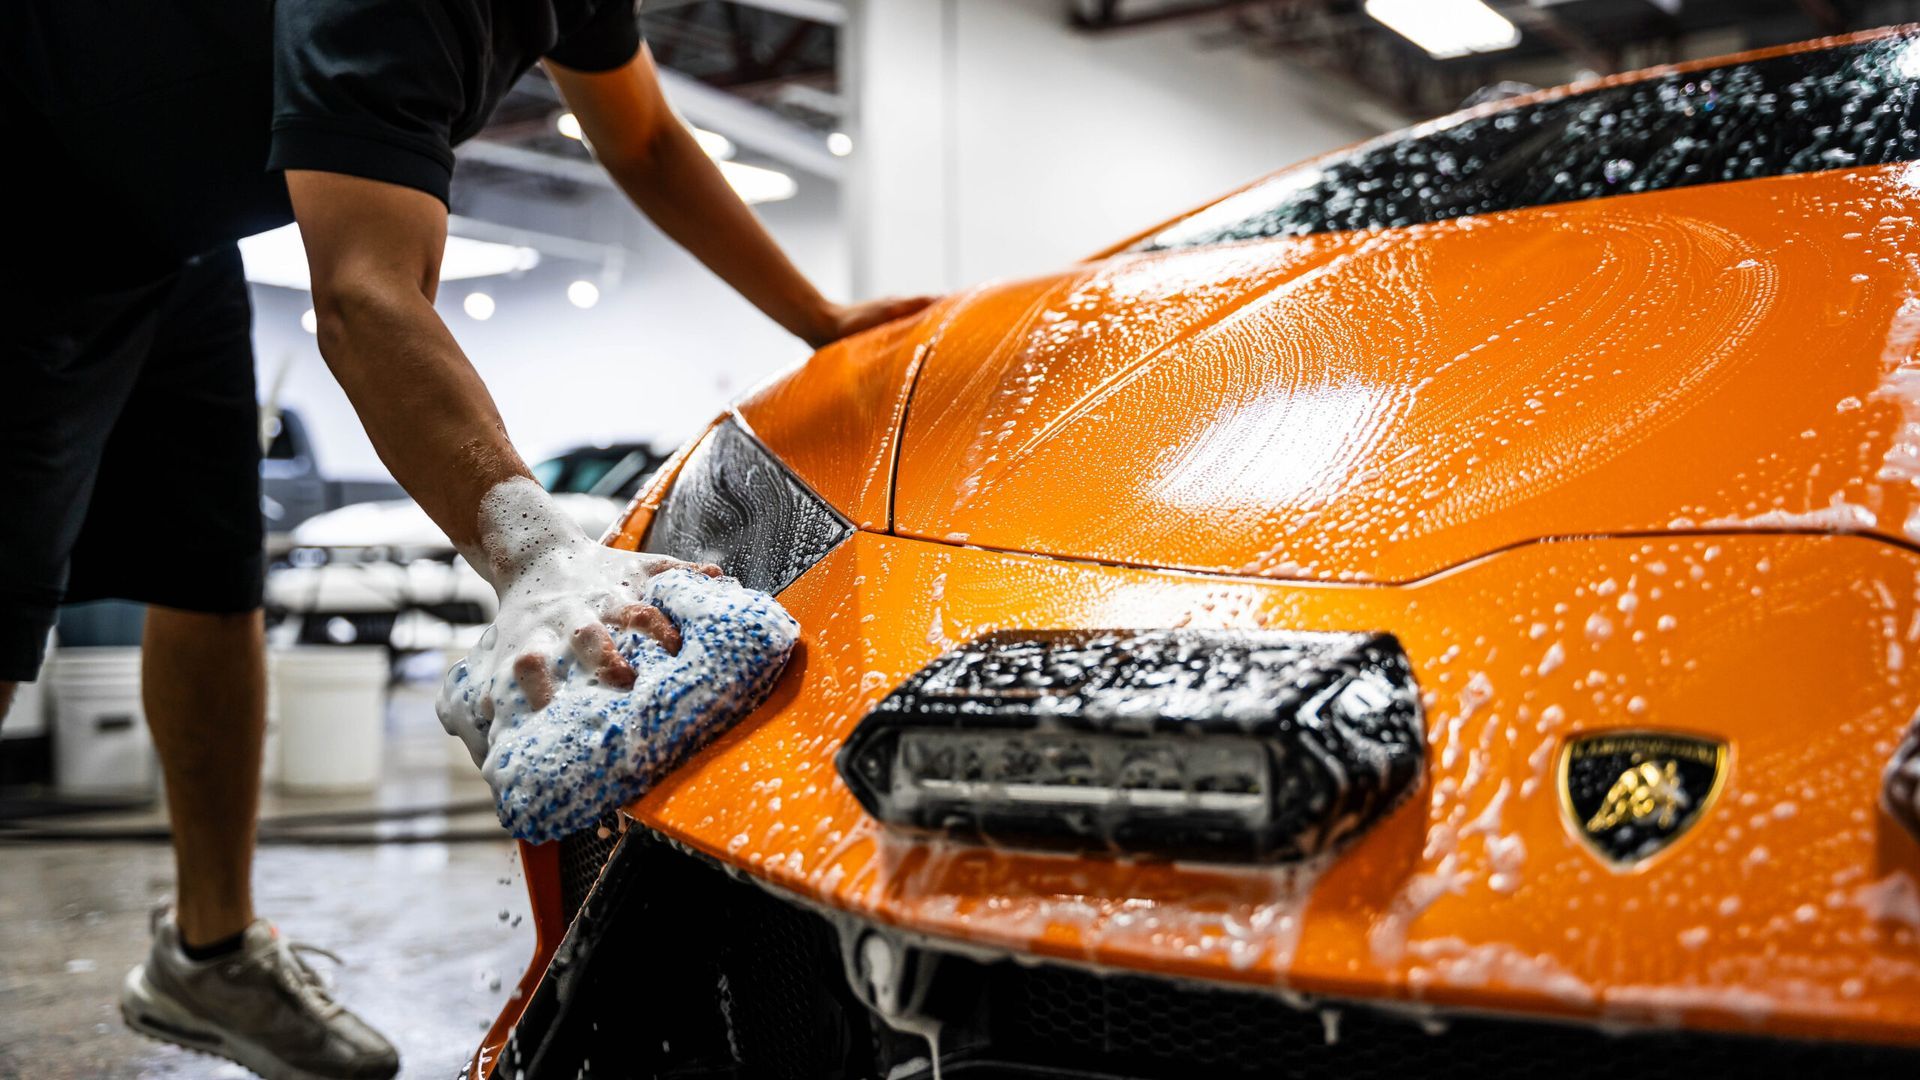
point(1829, 108)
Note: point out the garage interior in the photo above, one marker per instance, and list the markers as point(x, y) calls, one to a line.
point(899, 147)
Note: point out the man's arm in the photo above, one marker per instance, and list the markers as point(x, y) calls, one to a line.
point(656, 161)
point(374, 250)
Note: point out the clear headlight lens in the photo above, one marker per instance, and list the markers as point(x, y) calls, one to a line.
point(734, 504)
point(1232, 745)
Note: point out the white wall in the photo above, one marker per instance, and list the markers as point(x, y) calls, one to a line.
point(994, 140)
point(655, 359)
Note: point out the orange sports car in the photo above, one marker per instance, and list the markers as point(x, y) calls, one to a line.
point(1445, 609)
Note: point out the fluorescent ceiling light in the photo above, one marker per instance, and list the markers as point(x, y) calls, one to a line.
point(717, 146)
point(1446, 28)
point(757, 185)
point(276, 257)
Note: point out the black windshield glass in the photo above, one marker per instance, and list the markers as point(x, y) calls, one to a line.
point(1849, 105)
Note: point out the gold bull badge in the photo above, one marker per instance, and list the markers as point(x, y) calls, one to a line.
point(1628, 795)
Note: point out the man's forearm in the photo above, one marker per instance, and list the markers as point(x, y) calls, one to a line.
point(677, 186)
point(428, 414)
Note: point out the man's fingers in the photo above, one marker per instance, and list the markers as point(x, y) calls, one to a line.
point(654, 623)
point(706, 568)
point(533, 672)
point(901, 306)
point(595, 648)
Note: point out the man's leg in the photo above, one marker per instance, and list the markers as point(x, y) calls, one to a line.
point(175, 523)
point(204, 682)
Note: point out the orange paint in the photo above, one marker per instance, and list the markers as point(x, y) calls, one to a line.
point(1378, 406)
point(1584, 460)
point(1799, 679)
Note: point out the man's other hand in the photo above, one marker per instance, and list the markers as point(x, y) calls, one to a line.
point(844, 320)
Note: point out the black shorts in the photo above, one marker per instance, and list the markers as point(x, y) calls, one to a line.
point(129, 451)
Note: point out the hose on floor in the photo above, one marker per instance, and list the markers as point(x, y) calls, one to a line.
point(318, 829)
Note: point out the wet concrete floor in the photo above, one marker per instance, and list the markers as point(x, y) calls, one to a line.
point(433, 935)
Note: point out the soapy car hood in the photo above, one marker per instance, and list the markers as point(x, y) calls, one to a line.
point(1382, 406)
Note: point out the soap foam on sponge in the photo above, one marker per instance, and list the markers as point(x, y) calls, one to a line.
point(593, 745)
point(555, 772)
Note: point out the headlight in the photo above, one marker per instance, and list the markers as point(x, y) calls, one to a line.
point(1233, 745)
point(736, 505)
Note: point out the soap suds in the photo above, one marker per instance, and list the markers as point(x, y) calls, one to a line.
point(604, 669)
point(1838, 515)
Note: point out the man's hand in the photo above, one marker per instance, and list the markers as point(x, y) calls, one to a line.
point(655, 160)
point(562, 600)
point(845, 320)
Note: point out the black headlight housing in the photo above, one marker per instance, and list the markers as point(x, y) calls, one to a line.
point(736, 505)
point(1237, 746)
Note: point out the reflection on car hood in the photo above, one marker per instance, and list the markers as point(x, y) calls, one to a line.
point(400, 523)
point(1380, 405)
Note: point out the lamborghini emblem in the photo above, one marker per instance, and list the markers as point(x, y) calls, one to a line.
point(1629, 794)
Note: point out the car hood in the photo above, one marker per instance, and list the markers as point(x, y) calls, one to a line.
point(1384, 405)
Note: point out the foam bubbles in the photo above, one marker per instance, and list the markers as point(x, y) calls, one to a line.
point(561, 754)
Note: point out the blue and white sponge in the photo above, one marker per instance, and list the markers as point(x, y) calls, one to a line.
point(594, 748)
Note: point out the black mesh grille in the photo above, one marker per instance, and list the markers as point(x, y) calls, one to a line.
point(683, 970)
point(581, 857)
point(1107, 1016)
point(1152, 1027)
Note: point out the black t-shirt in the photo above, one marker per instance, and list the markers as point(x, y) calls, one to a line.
point(151, 130)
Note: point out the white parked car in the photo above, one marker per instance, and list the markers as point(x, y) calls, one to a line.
point(382, 573)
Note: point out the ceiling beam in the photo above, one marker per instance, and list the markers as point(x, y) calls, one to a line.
point(1570, 40)
point(1111, 17)
point(831, 12)
point(760, 130)
point(1824, 15)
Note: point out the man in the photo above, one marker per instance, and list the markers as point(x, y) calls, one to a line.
point(151, 135)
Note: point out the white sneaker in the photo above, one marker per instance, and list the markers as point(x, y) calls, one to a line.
point(260, 1006)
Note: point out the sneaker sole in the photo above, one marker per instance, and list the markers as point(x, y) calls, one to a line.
point(152, 1015)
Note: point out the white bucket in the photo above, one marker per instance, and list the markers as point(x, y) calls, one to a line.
point(28, 716)
point(270, 733)
point(332, 705)
point(100, 740)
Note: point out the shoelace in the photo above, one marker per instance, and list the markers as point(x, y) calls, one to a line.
point(299, 978)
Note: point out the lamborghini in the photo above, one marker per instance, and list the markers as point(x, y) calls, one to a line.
point(1446, 609)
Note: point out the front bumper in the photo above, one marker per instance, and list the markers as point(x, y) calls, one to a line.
point(677, 968)
point(1789, 909)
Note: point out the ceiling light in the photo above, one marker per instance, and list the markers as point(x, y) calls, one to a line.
point(717, 146)
point(1446, 28)
point(276, 257)
point(478, 306)
point(309, 321)
point(1908, 63)
point(840, 144)
point(757, 185)
point(583, 294)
